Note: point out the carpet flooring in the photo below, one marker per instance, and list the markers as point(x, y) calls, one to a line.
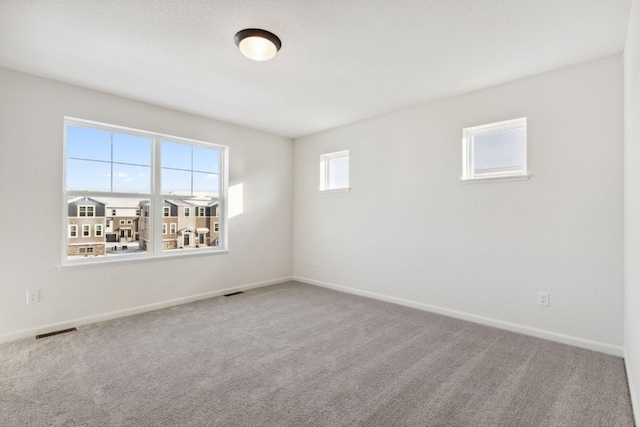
point(299, 355)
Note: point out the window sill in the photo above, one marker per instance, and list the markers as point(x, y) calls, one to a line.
point(70, 265)
point(336, 190)
point(495, 179)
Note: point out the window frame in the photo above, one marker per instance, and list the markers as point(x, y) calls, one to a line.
point(75, 228)
point(98, 229)
point(173, 228)
point(325, 161)
point(88, 229)
point(155, 197)
point(468, 172)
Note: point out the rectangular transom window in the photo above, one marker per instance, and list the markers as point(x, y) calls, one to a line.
point(334, 171)
point(495, 151)
point(145, 176)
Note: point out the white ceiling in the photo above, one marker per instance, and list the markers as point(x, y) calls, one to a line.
point(341, 60)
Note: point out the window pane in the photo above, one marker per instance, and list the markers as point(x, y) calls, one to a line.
point(88, 175)
point(103, 235)
point(131, 179)
point(176, 182)
point(131, 149)
point(339, 172)
point(176, 155)
point(205, 184)
point(499, 150)
point(206, 160)
point(90, 144)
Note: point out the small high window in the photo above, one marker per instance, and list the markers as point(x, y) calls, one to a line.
point(495, 151)
point(334, 171)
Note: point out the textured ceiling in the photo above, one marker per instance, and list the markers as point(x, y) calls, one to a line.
point(341, 60)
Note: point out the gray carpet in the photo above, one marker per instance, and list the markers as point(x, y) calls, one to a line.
point(299, 355)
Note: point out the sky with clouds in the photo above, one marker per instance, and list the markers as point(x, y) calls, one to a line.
point(99, 160)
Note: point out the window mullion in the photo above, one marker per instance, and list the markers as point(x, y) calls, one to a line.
point(157, 213)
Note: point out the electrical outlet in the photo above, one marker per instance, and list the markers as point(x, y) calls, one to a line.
point(543, 299)
point(33, 296)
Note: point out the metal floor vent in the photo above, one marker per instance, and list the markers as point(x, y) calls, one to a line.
point(234, 293)
point(62, 331)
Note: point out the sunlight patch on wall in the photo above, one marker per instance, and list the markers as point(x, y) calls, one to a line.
point(236, 200)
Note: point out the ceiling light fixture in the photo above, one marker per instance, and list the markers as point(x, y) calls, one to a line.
point(259, 45)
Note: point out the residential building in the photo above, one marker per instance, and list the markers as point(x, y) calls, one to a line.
point(185, 224)
point(86, 227)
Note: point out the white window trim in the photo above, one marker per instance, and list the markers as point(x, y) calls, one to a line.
point(164, 228)
point(324, 171)
point(187, 212)
point(468, 175)
point(95, 230)
point(173, 228)
point(88, 226)
point(167, 210)
point(156, 199)
point(75, 226)
point(216, 227)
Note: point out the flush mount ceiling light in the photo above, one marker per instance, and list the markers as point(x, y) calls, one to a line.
point(259, 45)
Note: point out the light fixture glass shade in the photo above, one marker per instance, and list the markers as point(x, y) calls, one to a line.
point(259, 45)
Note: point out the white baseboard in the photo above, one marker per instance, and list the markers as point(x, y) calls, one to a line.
point(613, 350)
point(632, 393)
point(27, 333)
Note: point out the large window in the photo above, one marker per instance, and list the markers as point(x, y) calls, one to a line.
point(334, 171)
point(495, 151)
point(150, 176)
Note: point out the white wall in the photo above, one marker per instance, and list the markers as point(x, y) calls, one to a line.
point(632, 204)
point(410, 230)
point(31, 129)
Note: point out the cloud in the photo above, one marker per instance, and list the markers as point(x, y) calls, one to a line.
point(122, 175)
point(212, 176)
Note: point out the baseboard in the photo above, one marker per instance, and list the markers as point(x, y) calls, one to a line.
point(27, 333)
point(632, 393)
point(613, 350)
